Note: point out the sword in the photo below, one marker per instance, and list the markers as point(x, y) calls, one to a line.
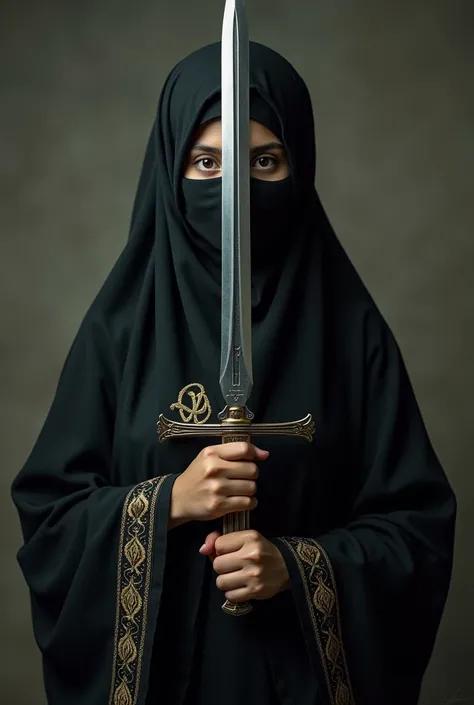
point(236, 376)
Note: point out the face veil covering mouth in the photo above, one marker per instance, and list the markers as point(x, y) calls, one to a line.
point(270, 215)
point(271, 202)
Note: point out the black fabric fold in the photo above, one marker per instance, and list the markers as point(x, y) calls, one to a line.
point(90, 535)
point(370, 592)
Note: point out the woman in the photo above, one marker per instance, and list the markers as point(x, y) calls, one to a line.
point(349, 557)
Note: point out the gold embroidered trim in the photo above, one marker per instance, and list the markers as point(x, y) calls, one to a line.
point(133, 587)
point(323, 606)
point(200, 405)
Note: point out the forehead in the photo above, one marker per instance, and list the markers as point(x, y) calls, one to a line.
point(210, 134)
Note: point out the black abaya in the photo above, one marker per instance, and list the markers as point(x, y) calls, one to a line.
point(364, 516)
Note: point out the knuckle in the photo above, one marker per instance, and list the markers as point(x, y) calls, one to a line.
point(213, 504)
point(208, 452)
point(257, 588)
point(210, 467)
point(255, 554)
point(215, 487)
point(254, 471)
point(244, 448)
point(256, 572)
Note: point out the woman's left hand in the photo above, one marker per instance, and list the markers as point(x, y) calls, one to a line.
point(249, 567)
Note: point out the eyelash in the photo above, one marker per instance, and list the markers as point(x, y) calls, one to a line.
point(275, 160)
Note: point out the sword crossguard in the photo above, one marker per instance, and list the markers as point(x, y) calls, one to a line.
point(303, 428)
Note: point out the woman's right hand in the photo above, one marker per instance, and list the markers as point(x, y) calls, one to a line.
point(222, 479)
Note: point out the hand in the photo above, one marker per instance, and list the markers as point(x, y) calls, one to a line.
point(222, 479)
point(249, 567)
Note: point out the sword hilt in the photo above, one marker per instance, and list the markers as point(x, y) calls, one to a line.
point(236, 417)
point(236, 426)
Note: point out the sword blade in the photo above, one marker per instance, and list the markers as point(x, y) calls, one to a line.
point(236, 313)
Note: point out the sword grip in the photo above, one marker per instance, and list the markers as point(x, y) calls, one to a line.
point(236, 521)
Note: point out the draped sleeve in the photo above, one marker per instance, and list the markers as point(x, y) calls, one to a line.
point(94, 545)
point(370, 593)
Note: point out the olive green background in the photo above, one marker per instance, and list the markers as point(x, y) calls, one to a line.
point(393, 93)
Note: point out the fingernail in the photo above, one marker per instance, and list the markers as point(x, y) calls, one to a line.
point(203, 546)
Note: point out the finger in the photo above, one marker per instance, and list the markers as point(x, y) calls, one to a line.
point(238, 470)
point(241, 451)
point(210, 542)
point(228, 563)
point(232, 581)
point(239, 504)
point(231, 543)
point(239, 595)
point(208, 546)
point(240, 488)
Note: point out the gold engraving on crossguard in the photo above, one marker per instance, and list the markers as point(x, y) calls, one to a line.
point(200, 409)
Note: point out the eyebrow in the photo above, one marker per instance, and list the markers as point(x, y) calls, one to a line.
point(254, 150)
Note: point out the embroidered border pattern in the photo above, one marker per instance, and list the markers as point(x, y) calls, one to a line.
point(133, 587)
point(321, 596)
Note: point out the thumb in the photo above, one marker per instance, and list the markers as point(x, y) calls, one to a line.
point(209, 546)
point(261, 454)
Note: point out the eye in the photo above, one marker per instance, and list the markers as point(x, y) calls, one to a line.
point(265, 162)
point(206, 164)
